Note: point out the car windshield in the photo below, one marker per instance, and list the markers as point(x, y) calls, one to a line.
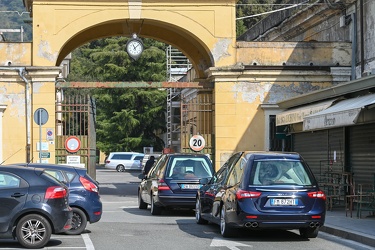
point(279, 172)
point(184, 167)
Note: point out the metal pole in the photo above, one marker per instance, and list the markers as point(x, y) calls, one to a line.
point(40, 135)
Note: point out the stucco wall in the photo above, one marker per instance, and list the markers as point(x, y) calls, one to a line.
point(294, 53)
point(19, 130)
point(12, 94)
point(15, 54)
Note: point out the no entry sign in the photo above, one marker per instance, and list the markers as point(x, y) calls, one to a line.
point(72, 144)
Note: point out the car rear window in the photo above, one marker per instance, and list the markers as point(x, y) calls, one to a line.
point(55, 173)
point(138, 158)
point(279, 172)
point(191, 167)
point(50, 178)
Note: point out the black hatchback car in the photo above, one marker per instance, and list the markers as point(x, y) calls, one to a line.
point(84, 196)
point(33, 206)
point(260, 190)
point(173, 181)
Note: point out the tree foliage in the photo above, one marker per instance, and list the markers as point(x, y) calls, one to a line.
point(127, 119)
point(11, 17)
point(130, 119)
point(252, 7)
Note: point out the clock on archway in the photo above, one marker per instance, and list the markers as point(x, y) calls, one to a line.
point(134, 47)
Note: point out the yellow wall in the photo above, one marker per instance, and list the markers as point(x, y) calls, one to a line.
point(205, 32)
point(18, 54)
point(20, 133)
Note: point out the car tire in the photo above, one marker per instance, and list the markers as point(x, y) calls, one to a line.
point(225, 229)
point(309, 232)
point(198, 213)
point(141, 203)
point(155, 210)
point(79, 222)
point(33, 231)
point(120, 168)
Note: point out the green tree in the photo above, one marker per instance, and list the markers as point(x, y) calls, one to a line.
point(127, 119)
point(12, 17)
point(247, 8)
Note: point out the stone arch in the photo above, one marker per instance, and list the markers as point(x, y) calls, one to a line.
point(188, 43)
point(204, 32)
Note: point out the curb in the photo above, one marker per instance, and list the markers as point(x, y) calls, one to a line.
point(350, 235)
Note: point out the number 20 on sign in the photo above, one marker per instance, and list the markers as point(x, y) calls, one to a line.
point(197, 142)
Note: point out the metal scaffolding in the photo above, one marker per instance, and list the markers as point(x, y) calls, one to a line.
point(177, 67)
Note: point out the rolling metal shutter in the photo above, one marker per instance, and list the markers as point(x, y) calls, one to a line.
point(323, 150)
point(362, 153)
point(313, 148)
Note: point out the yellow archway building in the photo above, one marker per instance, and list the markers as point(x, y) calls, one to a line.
point(249, 78)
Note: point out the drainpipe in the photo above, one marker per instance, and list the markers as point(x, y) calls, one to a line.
point(362, 37)
point(22, 72)
point(354, 45)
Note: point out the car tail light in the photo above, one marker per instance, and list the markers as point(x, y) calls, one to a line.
point(317, 194)
point(162, 185)
point(88, 185)
point(55, 192)
point(316, 217)
point(243, 194)
point(107, 162)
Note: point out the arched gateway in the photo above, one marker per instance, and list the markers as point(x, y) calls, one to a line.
point(248, 78)
point(203, 30)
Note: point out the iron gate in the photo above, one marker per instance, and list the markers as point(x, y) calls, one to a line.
point(197, 118)
point(75, 116)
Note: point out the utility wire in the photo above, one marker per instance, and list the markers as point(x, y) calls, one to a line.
point(12, 11)
point(272, 11)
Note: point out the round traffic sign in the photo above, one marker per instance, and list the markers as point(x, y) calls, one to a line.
point(41, 116)
point(197, 142)
point(72, 144)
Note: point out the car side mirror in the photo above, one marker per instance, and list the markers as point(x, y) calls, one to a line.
point(203, 181)
point(141, 176)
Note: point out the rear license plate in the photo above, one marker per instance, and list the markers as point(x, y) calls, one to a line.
point(284, 202)
point(190, 186)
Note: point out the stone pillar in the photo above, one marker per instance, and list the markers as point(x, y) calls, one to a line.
point(42, 80)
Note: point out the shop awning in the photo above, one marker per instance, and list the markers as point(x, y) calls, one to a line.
point(343, 113)
point(296, 115)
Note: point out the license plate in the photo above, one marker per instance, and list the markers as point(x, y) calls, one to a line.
point(190, 186)
point(284, 202)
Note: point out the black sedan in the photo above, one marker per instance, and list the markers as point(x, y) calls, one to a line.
point(173, 181)
point(261, 190)
point(33, 206)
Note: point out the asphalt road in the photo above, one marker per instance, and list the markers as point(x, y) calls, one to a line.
point(124, 226)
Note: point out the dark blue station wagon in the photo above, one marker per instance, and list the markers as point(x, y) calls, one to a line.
point(259, 190)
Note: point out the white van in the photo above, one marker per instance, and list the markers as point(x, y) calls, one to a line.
point(122, 161)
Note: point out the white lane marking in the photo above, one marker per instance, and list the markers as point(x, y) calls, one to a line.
point(232, 245)
point(88, 242)
point(50, 248)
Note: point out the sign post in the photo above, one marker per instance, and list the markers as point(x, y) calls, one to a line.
point(40, 118)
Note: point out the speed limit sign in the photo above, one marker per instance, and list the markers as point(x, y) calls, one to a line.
point(197, 143)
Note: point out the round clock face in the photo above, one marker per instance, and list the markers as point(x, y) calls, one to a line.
point(134, 47)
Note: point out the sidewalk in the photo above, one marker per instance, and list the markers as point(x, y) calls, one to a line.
point(360, 230)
